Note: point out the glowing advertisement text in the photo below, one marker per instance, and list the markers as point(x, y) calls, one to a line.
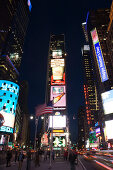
point(100, 60)
point(9, 92)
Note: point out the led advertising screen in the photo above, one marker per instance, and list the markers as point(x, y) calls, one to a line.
point(107, 100)
point(100, 60)
point(59, 122)
point(9, 92)
point(109, 127)
point(97, 132)
point(59, 141)
point(58, 96)
point(57, 53)
point(57, 73)
point(57, 62)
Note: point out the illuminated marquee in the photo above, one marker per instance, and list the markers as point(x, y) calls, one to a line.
point(100, 60)
point(9, 92)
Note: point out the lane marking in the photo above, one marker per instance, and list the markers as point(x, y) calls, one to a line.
point(82, 164)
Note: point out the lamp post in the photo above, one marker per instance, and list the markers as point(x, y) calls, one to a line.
point(36, 125)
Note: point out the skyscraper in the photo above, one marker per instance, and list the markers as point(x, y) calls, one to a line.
point(14, 19)
point(97, 32)
point(56, 90)
point(90, 92)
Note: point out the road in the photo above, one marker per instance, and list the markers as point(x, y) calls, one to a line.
point(60, 164)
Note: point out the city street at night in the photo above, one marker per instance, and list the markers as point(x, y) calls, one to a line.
point(56, 85)
point(60, 164)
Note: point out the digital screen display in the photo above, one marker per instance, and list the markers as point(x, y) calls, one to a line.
point(57, 53)
point(9, 92)
point(107, 101)
point(58, 96)
point(97, 132)
point(109, 127)
point(57, 73)
point(59, 122)
point(100, 60)
point(57, 62)
point(59, 141)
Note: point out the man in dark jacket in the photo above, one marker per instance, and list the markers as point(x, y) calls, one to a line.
point(8, 158)
point(72, 157)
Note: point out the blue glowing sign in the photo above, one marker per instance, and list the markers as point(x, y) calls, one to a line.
point(8, 100)
point(29, 4)
point(100, 60)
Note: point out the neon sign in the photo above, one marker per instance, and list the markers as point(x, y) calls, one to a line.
point(100, 60)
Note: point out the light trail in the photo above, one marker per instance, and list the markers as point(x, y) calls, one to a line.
point(105, 166)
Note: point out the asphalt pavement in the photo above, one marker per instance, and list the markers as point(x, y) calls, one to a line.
point(44, 165)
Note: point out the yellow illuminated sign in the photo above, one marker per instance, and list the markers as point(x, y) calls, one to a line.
point(58, 131)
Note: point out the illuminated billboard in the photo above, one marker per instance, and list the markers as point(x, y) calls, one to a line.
point(57, 73)
point(9, 92)
point(57, 53)
point(58, 96)
point(108, 129)
point(100, 60)
point(97, 131)
point(57, 62)
point(59, 141)
point(107, 100)
point(59, 122)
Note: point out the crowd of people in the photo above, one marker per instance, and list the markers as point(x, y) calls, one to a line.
point(19, 156)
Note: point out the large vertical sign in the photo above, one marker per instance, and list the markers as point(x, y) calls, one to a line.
point(58, 72)
point(9, 92)
point(100, 60)
point(58, 96)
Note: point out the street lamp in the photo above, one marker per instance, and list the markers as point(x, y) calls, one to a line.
point(31, 117)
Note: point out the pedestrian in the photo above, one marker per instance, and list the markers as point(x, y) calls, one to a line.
point(37, 158)
point(65, 155)
point(20, 160)
point(8, 158)
point(53, 155)
point(72, 158)
point(16, 155)
point(45, 155)
point(28, 160)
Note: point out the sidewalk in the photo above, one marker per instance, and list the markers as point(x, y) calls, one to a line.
point(44, 165)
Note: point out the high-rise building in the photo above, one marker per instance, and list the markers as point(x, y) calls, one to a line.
point(56, 90)
point(97, 32)
point(14, 19)
point(82, 128)
point(90, 92)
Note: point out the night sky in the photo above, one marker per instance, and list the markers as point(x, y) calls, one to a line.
point(56, 17)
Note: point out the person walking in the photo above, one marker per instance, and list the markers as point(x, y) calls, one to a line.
point(65, 155)
point(37, 159)
point(72, 158)
point(8, 158)
point(16, 155)
point(28, 160)
point(20, 160)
